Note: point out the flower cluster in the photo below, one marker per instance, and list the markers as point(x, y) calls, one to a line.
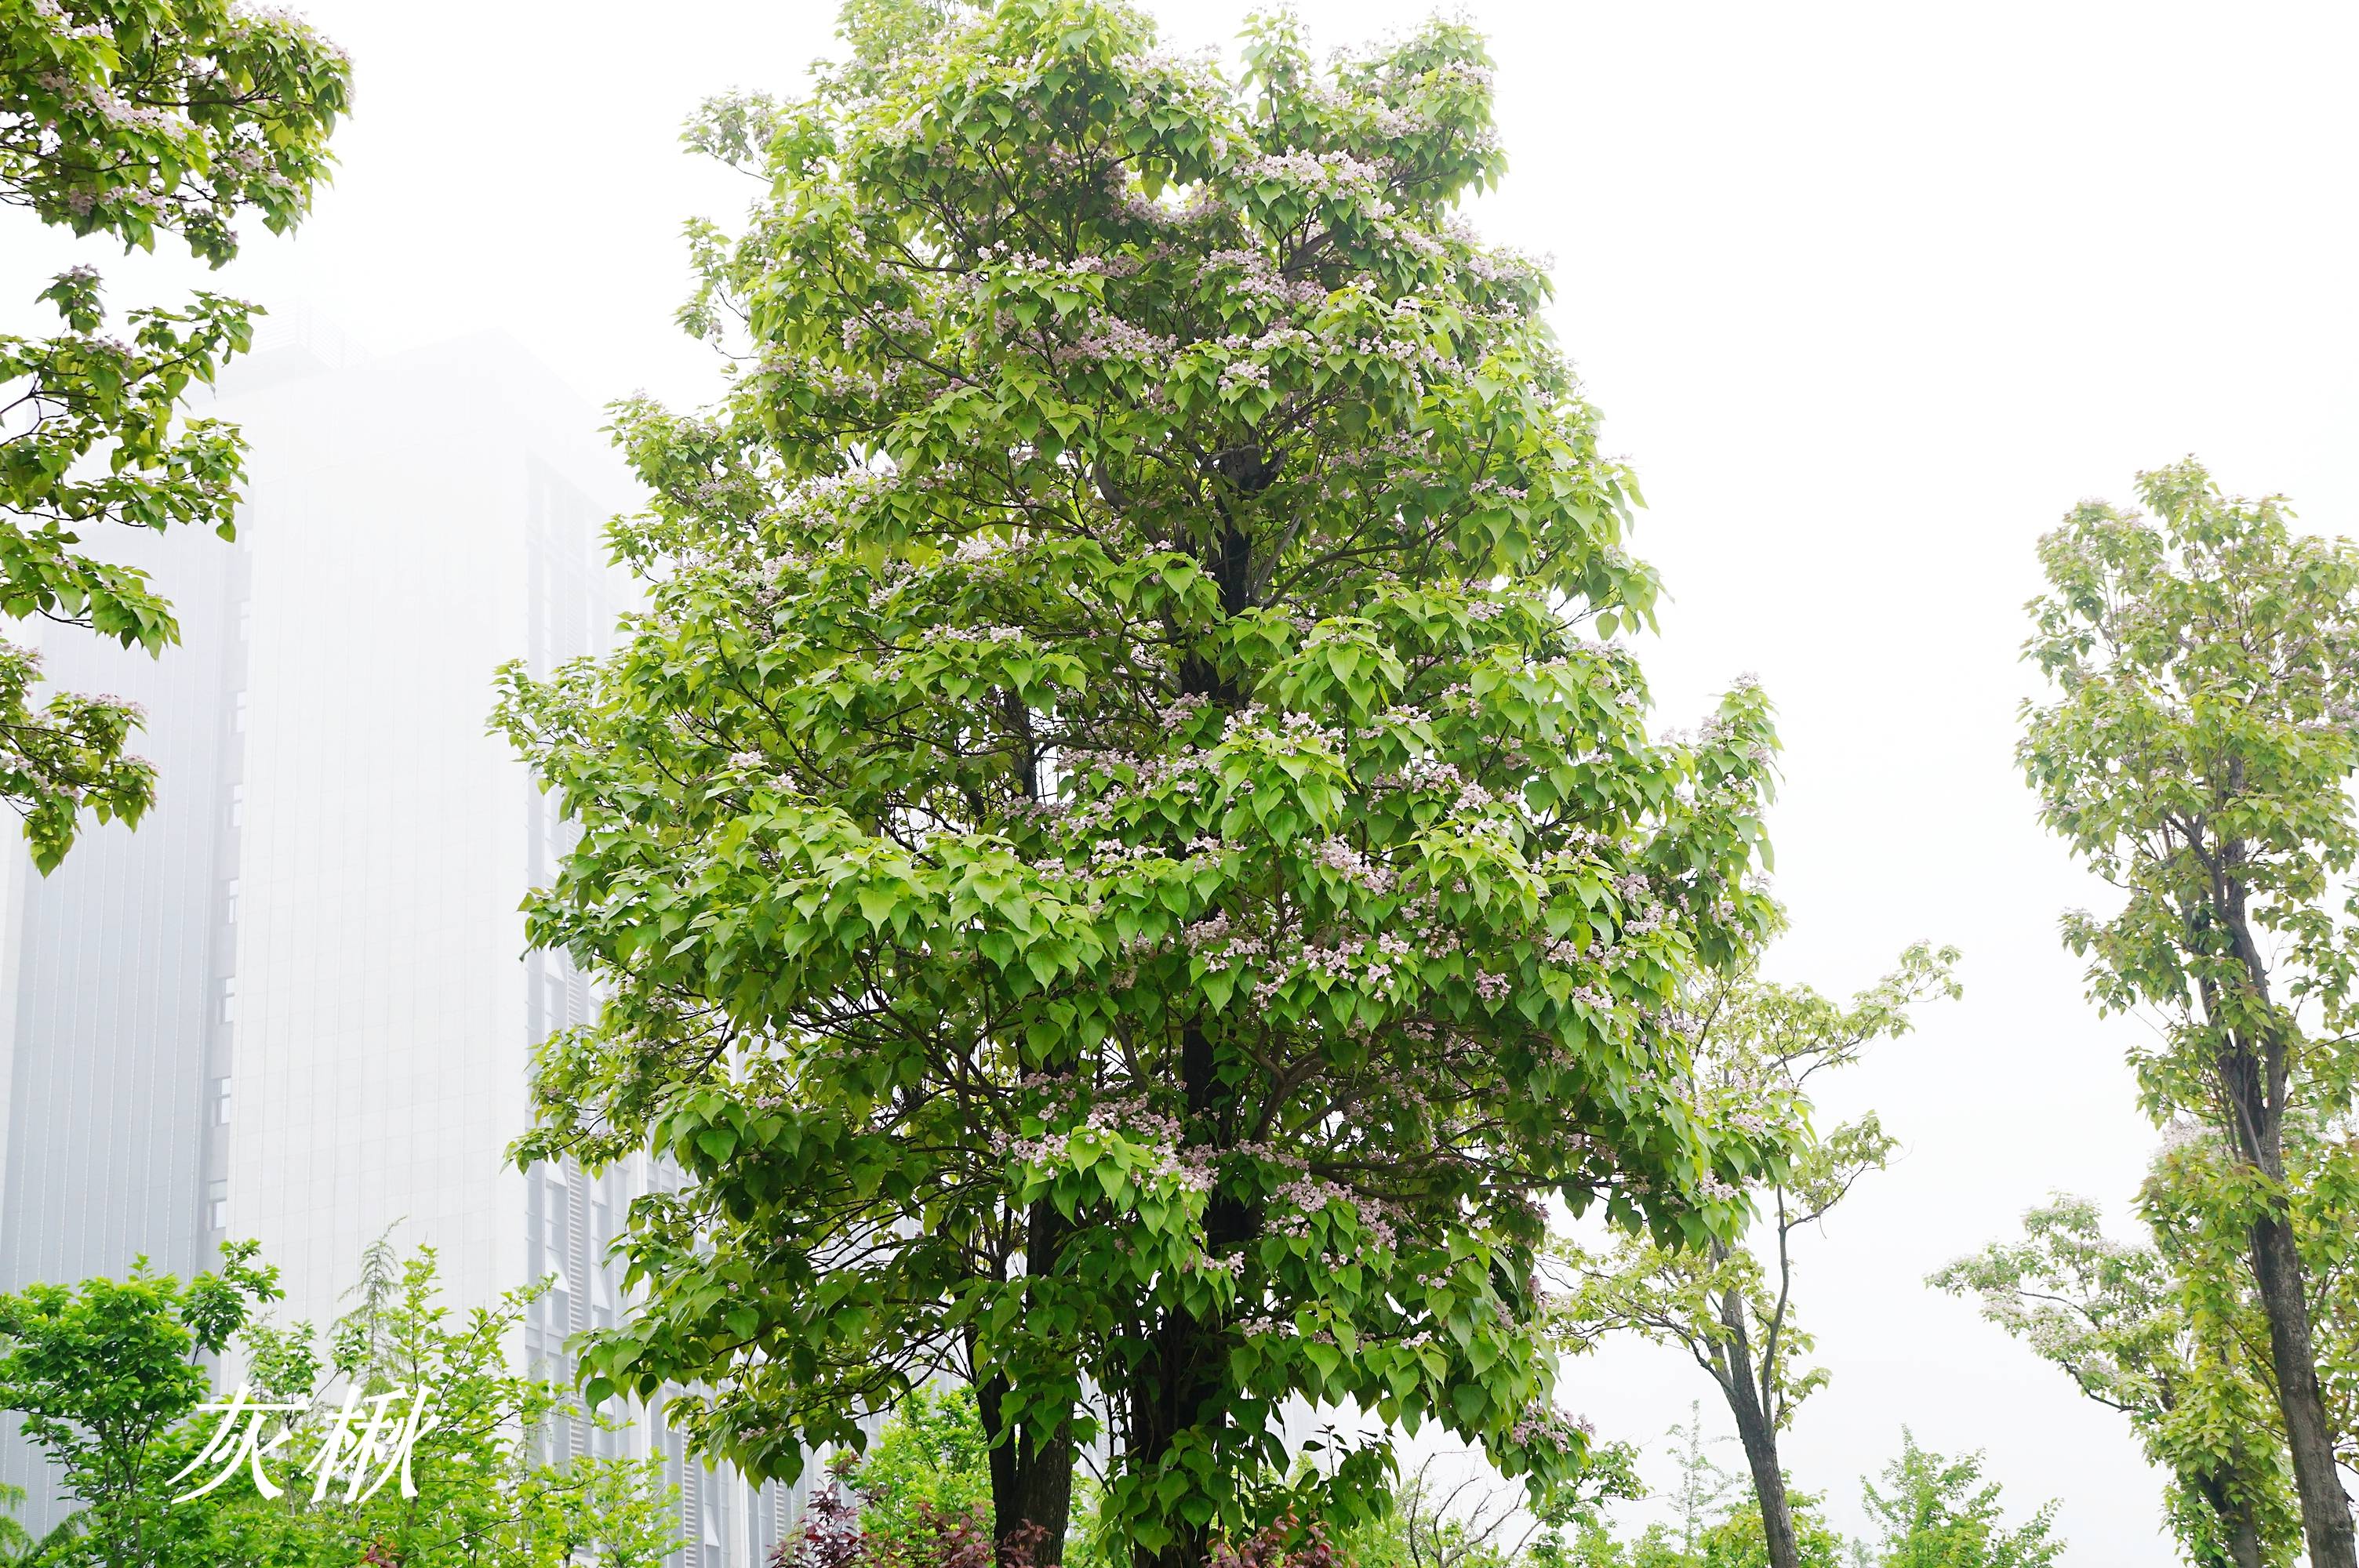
point(1111, 338)
point(1179, 712)
point(1421, 774)
point(1258, 277)
point(1342, 859)
point(1306, 171)
point(1220, 945)
point(988, 549)
point(1550, 1428)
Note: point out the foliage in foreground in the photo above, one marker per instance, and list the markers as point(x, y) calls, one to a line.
point(921, 1502)
point(17, 1545)
point(1940, 1513)
point(106, 1378)
point(103, 1378)
point(929, 1470)
point(129, 118)
point(1120, 869)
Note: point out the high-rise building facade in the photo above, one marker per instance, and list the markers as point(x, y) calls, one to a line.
point(295, 1005)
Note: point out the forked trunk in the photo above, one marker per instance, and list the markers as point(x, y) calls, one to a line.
point(1183, 1385)
point(1180, 1392)
point(2240, 1533)
point(1032, 1501)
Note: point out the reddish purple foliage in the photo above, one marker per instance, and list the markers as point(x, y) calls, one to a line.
point(829, 1537)
point(1285, 1543)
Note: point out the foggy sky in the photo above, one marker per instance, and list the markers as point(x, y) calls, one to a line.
point(1870, 294)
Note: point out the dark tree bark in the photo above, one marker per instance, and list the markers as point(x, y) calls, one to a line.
point(2240, 1533)
point(1181, 1388)
point(2310, 1438)
point(1757, 1429)
point(1031, 1470)
point(1184, 1382)
point(2255, 1076)
point(1031, 1480)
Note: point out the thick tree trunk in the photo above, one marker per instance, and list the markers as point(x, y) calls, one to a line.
point(1032, 1498)
point(2309, 1441)
point(1031, 1471)
point(1031, 1482)
point(1757, 1433)
point(2257, 1074)
point(1183, 1385)
point(1171, 1397)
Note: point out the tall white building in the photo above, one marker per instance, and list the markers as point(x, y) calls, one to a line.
point(295, 1005)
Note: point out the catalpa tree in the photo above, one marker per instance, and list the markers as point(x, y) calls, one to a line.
point(128, 119)
point(1123, 868)
point(2199, 754)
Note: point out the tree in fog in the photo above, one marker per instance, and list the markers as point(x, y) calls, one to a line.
point(2199, 754)
point(1127, 862)
point(127, 119)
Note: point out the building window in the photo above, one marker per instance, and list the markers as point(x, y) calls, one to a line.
point(229, 902)
point(229, 999)
point(220, 1100)
point(237, 714)
point(238, 806)
point(246, 620)
point(217, 1207)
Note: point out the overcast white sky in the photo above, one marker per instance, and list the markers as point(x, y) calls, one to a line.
point(1870, 293)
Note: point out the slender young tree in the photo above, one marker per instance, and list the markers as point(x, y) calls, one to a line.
point(1120, 866)
point(2198, 756)
point(129, 118)
point(1702, 1492)
point(1729, 1302)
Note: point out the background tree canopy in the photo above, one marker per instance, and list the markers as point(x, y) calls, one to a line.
point(2199, 754)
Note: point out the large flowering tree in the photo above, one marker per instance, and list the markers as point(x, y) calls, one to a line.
point(1119, 869)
